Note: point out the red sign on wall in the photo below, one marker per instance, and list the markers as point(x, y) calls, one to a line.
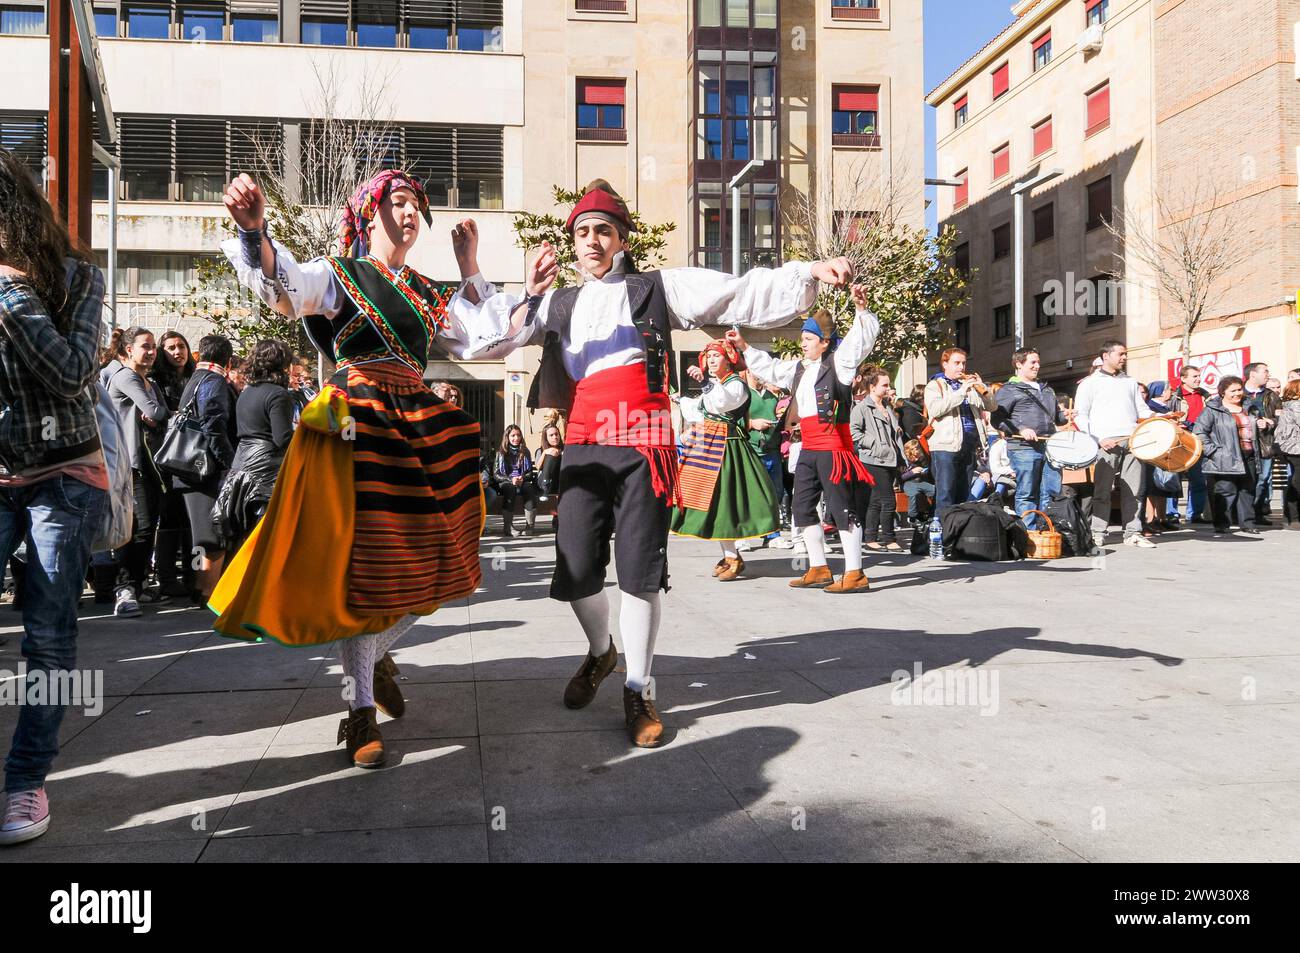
point(1214, 366)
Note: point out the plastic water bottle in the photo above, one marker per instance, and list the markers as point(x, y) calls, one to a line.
point(936, 539)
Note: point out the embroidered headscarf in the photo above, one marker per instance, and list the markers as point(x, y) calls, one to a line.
point(361, 209)
point(727, 350)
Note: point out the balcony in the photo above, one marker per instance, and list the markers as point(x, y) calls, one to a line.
point(870, 14)
point(855, 140)
point(600, 6)
point(601, 135)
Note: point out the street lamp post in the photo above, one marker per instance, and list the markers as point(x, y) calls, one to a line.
point(734, 185)
point(1018, 239)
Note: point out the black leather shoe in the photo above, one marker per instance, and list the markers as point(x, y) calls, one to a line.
point(581, 690)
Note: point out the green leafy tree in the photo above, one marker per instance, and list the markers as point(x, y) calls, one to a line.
point(646, 243)
point(912, 285)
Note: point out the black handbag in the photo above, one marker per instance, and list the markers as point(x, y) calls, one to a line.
point(186, 449)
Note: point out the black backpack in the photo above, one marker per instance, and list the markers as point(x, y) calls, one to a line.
point(1067, 516)
point(982, 531)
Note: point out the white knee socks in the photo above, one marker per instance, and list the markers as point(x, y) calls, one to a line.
point(851, 539)
point(814, 538)
point(593, 616)
point(359, 655)
point(638, 623)
point(729, 550)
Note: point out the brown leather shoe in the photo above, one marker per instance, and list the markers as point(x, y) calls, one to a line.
point(817, 577)
point(581, 690)
point(388, 694)
point(365, 743)
point(720, 567)
point(852, 581)
point(644, 727)
point(733, 569)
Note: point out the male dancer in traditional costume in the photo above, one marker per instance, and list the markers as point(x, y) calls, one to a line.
point(822, 384)
point(727, 494)
point(607, 358)
point(377, 511)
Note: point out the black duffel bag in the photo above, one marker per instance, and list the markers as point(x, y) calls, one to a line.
point(982, 531)
point(1067, 516)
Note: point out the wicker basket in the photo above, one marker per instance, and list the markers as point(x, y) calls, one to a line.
point(1043, 544)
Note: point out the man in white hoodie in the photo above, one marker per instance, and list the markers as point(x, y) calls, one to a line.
point(1109, 406)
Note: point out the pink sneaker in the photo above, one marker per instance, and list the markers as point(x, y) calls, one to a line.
point(27, 815)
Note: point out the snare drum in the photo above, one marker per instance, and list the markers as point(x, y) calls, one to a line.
point(1072, 450)
point(1162, 442)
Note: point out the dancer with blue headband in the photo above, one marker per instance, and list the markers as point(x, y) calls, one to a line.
point(822, 384)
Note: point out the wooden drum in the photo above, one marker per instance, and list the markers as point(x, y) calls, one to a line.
point(1161, 442)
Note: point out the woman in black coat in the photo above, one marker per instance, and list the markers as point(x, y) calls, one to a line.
point(213, 397)
point(264, 416)
point(172, 370)
point(1230, 435)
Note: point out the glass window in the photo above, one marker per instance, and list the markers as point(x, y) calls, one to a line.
point(479, 38)
point(246, 29)
point(1001, 242)
point(1043, 55)
point(163, 274)
point(22, 21)
point(710, 13)
point(202, 24)
point(961, 114)
point(1002, 322)
point(710, 90)
point(740, 139)
point(962, 328)
point(430, 37)
point(106, 23)
point(377, 34)
point(1098, 12)
point(147, 23)
point(738, 13)
point(588, 116)
point(765, 14)
point(1045, 307)
point(764, 91)
point(325, 32)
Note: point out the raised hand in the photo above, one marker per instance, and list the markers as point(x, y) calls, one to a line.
point(245, 202)
point(464, 242)
point(542, 272)
point(694, 373)
point(860, 297)
point(833, 271)
point(734, 338)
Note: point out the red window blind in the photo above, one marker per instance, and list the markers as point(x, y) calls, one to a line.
point(1001, 162)
point(856, 98)
point(1090, 4)
point(963, 190)
point(1042, 137)
point(1001, 79)
point(1042, 41)
point(960, 104)
point(602, 92)
point(1098, 109)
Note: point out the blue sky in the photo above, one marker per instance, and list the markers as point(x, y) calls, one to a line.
point(954, 30)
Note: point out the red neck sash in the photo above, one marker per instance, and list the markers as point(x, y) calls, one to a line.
point(615, 408)
point(836, 439)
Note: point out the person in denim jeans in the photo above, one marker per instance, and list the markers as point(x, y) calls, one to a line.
point(53, 480)
point(1027, 412)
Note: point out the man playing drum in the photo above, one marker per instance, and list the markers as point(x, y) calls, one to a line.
point(1108, 406)
point(1027, 413)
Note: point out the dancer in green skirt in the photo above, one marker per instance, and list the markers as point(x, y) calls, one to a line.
point(727, 494)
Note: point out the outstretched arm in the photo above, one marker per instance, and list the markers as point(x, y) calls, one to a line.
point(760, 298)
point(268, 270)
point(861, 338)
point(495, 326)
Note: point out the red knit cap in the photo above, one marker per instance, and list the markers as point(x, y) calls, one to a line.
point(601, 198)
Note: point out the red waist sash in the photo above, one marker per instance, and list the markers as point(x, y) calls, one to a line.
point(836, 439)
point(614, 408)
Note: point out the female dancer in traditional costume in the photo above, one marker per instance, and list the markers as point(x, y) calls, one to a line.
point(377, 512)
point(727, 494)
point(822, 384)
point(607, 359)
